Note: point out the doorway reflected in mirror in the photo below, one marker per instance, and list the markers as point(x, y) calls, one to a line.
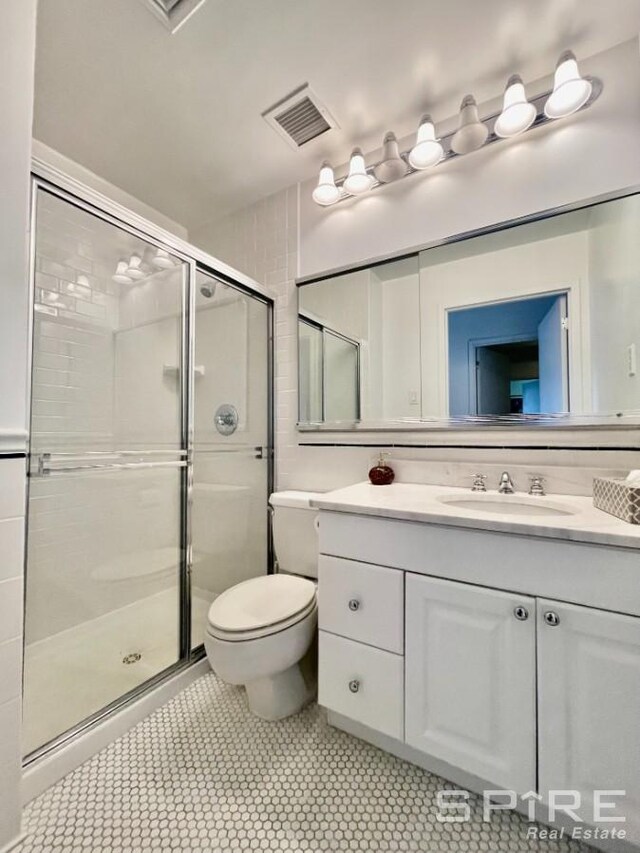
point(509, 357)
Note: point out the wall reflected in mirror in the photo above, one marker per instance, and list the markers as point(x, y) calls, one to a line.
point(537, 321)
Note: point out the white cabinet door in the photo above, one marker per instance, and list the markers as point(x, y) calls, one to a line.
point(470, 679)
point(589, 708)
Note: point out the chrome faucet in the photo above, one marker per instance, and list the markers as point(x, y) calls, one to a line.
point(506, 484)
point(478, 483)
point(536, 485)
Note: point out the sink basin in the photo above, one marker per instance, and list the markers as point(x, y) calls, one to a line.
point(507, 505)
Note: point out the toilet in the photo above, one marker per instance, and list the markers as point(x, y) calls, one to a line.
point(261, 632)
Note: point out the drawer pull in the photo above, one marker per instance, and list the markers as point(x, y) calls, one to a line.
point(521, 613)
point(354, 604)
point(551, 618)
point(354, 685)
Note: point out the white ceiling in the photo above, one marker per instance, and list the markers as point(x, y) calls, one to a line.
point(176, 119)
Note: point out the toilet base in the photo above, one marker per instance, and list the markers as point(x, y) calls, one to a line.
point(277, 696)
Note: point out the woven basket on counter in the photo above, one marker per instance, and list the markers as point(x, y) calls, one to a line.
point(618, 498)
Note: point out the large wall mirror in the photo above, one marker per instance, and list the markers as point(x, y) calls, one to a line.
point(535, 323)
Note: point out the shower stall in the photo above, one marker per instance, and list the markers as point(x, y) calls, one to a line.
point(150, 458)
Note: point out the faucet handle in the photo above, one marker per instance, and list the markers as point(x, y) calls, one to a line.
point(536, 486)
point(478, 483)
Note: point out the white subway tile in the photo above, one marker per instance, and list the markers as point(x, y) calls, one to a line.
point(10, 609)
point(10, 670)
point(12, 487)
point(10, 777)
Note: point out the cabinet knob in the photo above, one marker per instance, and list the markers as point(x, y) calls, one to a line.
point(551, 618)
point(521, 613)
point(354, 604)
point(354, 685)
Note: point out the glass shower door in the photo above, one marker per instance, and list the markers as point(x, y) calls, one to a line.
point(107, 467)
point(231, 464)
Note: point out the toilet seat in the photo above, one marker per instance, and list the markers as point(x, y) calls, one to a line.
point(261, 606)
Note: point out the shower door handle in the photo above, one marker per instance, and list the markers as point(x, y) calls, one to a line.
point(46, 464)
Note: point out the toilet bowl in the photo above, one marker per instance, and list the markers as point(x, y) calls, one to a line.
point(260, 632)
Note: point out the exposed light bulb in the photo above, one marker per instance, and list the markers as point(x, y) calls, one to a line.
point(517, 113)
point(471, 133)
point(428, 150)
point(570, 90)
point(358, 181)
point(121, 275)
point(134, 270)
point(392, 166)
point(326, 192)
point(162, 260)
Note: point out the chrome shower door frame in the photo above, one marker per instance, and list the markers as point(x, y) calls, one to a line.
point(55, 182)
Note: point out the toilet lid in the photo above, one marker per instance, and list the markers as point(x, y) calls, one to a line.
point(261, 602)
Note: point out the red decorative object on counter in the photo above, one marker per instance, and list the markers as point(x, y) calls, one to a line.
point(381, 474)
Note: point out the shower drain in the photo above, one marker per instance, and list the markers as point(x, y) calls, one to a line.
point(134, 657)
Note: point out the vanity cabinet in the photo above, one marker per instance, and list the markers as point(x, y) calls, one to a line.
point(470, 664)
point(480, 669)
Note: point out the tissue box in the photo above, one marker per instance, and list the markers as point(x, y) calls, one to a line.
point(617, 498)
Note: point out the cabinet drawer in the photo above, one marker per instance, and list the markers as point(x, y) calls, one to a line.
point(363, 683)
point(362, 602)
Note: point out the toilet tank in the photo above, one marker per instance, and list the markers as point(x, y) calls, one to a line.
point(295, 535)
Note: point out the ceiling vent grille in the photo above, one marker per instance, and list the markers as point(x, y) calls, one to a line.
point(173, 13)
point(300, 117)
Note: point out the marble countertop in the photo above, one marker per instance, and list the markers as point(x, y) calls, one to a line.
point(426, 503)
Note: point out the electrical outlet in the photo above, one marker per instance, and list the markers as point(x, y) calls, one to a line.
point(413, 398)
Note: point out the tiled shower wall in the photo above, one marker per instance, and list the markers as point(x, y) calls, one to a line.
point(262, 242)
point(91, 342)
point(75, 315)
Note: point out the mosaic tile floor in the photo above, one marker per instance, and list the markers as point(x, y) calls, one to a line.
point(202, 775)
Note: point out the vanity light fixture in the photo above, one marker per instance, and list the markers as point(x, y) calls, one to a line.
point(326, 192)
point(392, 167)
point(162, 260)
point(121, 275)
point(428, 150)
point(570, 90)
point(471, 133)
point(134, 270)
point(358, 181)
point(518, 114)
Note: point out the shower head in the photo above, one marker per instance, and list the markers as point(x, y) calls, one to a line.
point(207, 290)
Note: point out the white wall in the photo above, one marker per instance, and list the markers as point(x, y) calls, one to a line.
point(399, 344)
point(71, 169)
point(17, 57)
point(591, 153)
point(614, 275)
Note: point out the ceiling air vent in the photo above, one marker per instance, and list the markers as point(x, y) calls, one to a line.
point(300, 117)
point(173, 13)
